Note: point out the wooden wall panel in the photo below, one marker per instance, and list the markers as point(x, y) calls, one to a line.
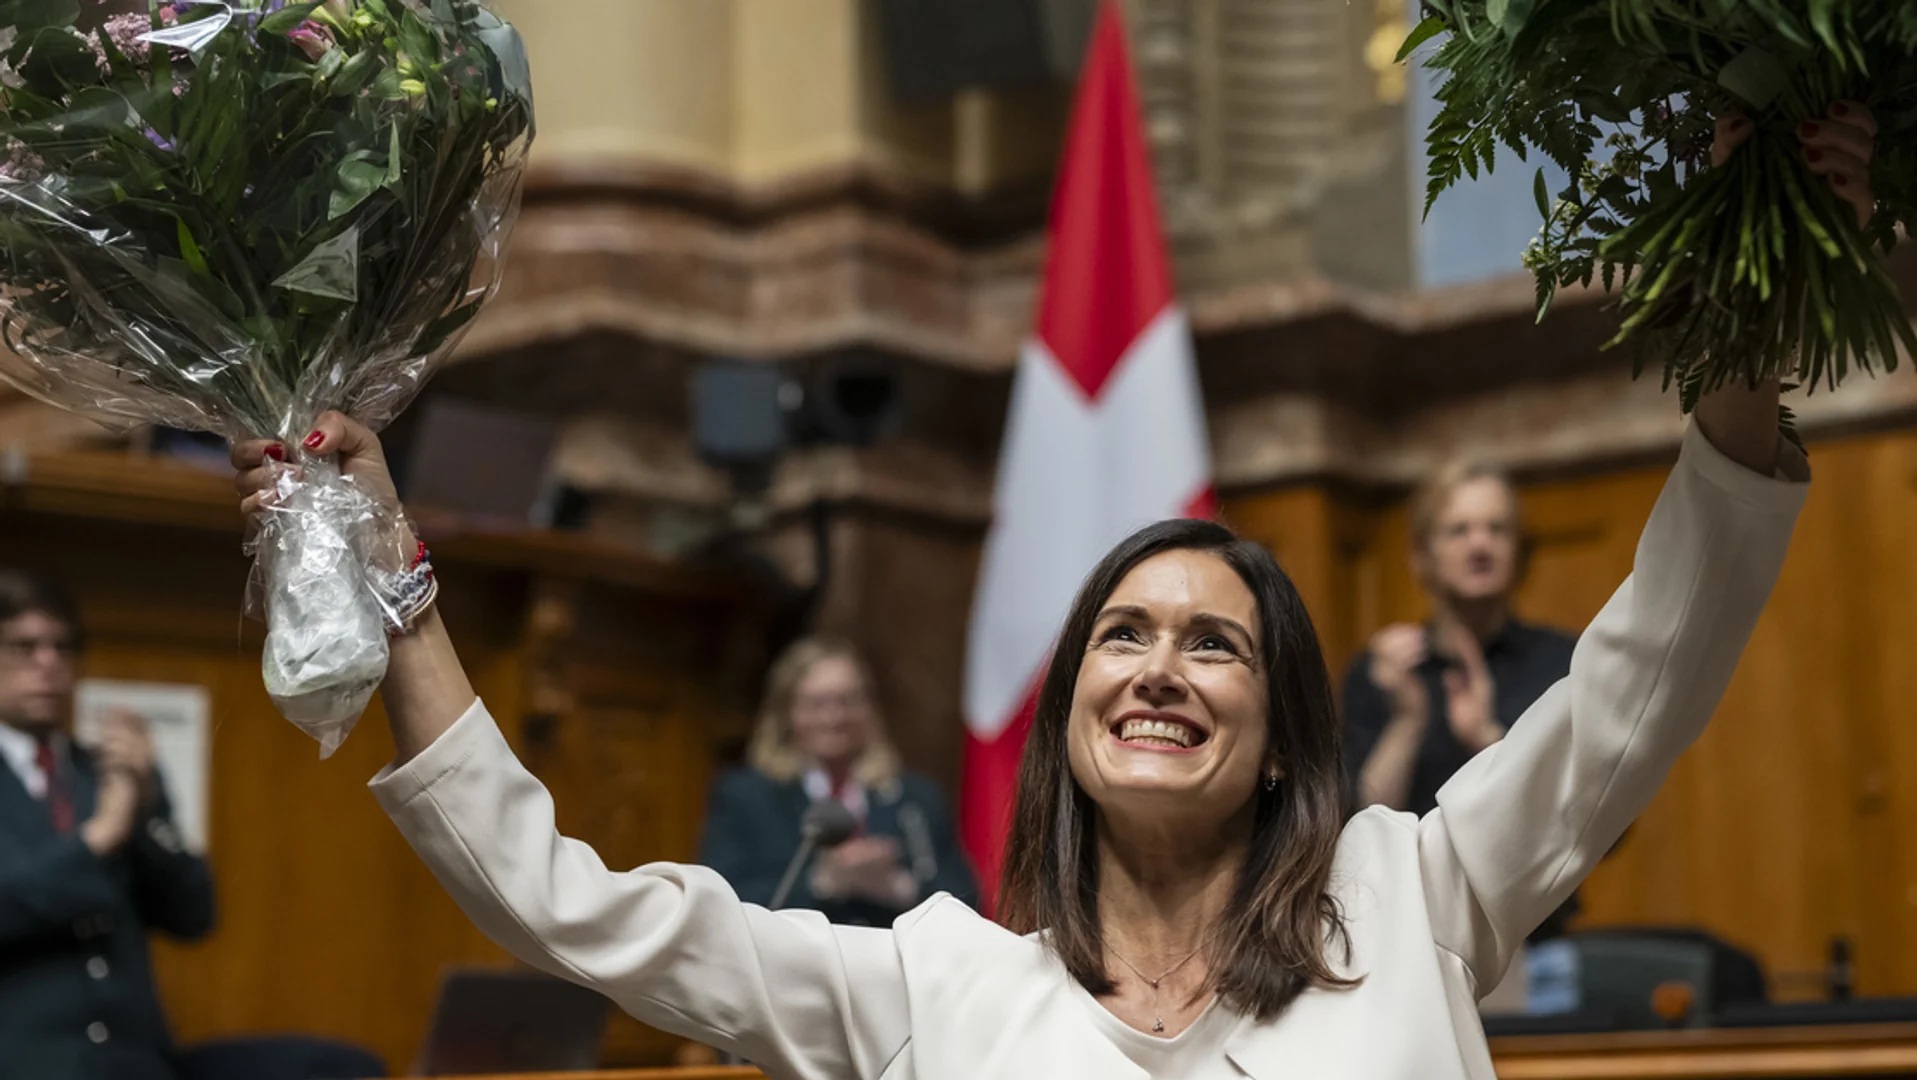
point(1332, 549)
point(1297, 525)
point(328, 922)
point(1795, 818)
point(1882, 644)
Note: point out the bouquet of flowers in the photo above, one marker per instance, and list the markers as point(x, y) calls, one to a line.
point(233, 215)
point(1752, 270)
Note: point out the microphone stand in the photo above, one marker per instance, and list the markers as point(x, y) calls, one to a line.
point(806, 847)
point(810, 835)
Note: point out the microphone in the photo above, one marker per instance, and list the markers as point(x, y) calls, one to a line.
point(826, 825)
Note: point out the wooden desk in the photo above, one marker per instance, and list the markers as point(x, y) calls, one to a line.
point(1881, 1050)
point(1874, 1050)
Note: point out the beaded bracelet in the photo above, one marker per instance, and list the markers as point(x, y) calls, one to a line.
point(414, 591)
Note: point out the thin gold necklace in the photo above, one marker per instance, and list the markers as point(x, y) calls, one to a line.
point(1158, 1019)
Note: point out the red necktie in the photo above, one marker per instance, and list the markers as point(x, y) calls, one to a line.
point(839, 790)
point(58, 800)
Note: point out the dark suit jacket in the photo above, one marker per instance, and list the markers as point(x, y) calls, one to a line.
point(752, 833)
point(76, 988)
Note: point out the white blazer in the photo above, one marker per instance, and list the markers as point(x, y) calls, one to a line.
point(1436, 906)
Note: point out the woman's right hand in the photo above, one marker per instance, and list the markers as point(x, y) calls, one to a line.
point(360, 457)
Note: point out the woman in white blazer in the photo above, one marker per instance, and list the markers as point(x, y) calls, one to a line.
point(1184, 897)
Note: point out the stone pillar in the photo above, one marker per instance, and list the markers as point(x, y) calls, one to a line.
point(757, 92)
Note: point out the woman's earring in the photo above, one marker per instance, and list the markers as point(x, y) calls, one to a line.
point(1271, 781)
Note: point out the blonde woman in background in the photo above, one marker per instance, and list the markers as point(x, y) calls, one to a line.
point(820, 736)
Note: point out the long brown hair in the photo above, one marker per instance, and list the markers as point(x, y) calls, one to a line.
point(1271, 944)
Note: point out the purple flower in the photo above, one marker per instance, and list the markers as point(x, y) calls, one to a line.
point(313, 39)
point(22, 165)
point(124, 31)
point(158, 140)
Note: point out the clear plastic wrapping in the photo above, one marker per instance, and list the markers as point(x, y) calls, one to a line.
point(232, 217)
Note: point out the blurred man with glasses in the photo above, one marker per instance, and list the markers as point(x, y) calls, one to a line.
point(89, 862)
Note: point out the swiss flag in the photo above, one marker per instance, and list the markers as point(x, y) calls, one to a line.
point(1106, 432)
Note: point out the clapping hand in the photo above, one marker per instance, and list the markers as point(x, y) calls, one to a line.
point(868, 867)
point(124, 755)
point(125, 749)
point(1471, 697)
point(1396, 652)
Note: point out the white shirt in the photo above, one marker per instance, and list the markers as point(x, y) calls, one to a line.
point(22, 753)
point(819, 786)
point(1196, 1053)
point(1435, 907)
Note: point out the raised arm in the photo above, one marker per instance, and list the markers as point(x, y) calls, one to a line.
point(672, 945)
point(1521, 825)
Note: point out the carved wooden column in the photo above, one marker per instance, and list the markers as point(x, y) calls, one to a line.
point(1243, 110)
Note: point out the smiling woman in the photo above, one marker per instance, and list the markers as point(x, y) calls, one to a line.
point(1187, 900)
point(1187, 711)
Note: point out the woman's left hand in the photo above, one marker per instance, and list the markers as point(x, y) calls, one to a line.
point(1741, 421)
point(1837, 148)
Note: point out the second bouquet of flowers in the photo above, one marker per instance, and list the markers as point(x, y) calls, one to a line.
point(1749, 270)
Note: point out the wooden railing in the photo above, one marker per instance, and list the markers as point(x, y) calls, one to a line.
point(1872, 1050)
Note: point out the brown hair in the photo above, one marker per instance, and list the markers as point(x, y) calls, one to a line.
point(1435, 491)
point(773, 751)
point(23, 592)
point(1272, 942)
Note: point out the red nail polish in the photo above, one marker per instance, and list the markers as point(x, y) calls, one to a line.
point(1807, 129)
point(1839, 179)
point(1813, 155)
point(276, 452)
point(1840, 109)
point(314, 440)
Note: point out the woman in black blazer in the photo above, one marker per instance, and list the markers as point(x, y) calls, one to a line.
point(820, 737)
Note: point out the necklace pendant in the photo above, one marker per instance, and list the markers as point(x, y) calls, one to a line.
point(1158, 1026)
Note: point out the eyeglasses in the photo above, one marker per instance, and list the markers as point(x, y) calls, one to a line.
point(848, 701)
point(23, 650)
